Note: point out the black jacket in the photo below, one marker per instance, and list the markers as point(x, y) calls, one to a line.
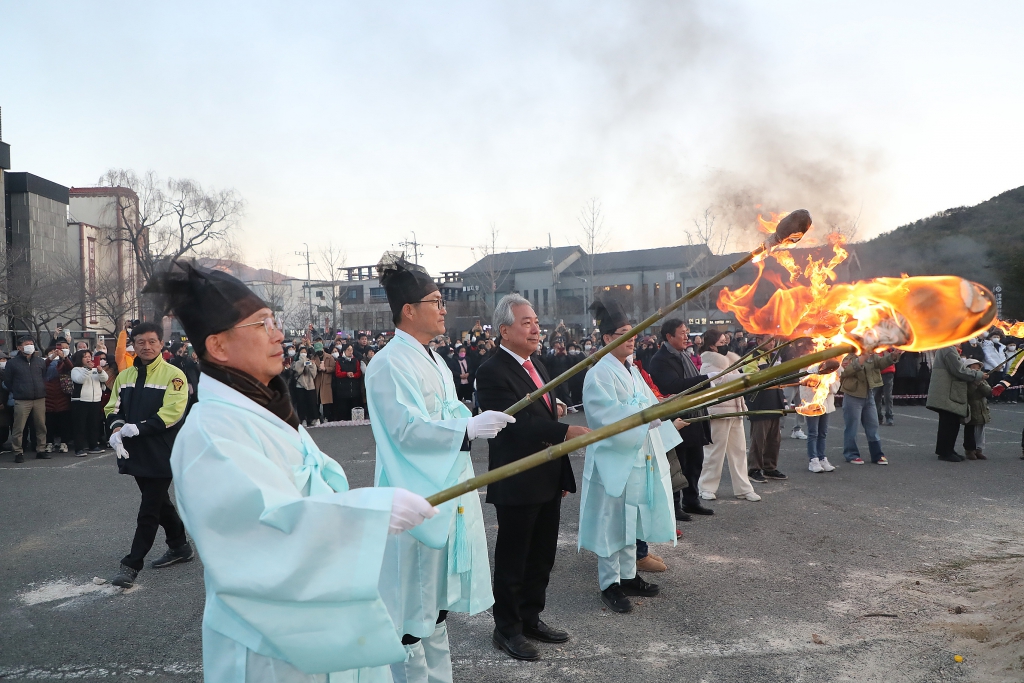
point(500, 382)
point(671, 377)
point(152, 397)
point(24, 377)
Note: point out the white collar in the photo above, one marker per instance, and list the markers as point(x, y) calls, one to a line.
point(409, 339)
point(519, 359)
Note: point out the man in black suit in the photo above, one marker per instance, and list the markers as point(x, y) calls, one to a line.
point(527, 505)
point(672, 372)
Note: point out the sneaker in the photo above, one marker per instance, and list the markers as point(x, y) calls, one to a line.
point(95, 450)
point(798, 434)
point(43, 455)
point(882, 461)
point(80, 454)
point(637, 586)
point(826, 466)
point(707, 495)
point(755, 475)
point(774, 474)
point(888, 423)
point(62, 448)
point(125, 577)
point(616, 599)
point(173, 556)
point(48, 448)
point(856, 461)
point(20, 457)
point(815, 466)
point(949, 458)
point(650, 564)
point(752, 497)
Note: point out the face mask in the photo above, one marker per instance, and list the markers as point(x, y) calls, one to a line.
point(291, 352)
point(996, 340)
point(588, 347)
point(103, 363)
point(984, 335)
point(462, 355)
point(1011, 347)
point(3, 364)
point(28, 349)
point(973, 342)
point(724, 350)
point(65, 352)
point(130, 348)
point(302, 356)
point(335, 354)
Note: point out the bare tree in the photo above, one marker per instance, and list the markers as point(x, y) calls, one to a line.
point(39, 299)
point(331, 259)
point(706, 232)
point(495, 275)
point(172, 218)
point(108, 301)
point(595, 240)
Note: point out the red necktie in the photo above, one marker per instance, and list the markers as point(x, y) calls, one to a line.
point(528, 366)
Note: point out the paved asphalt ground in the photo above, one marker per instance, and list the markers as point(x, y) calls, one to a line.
point(745, 592)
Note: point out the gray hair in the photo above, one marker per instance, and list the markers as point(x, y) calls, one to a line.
point(503, 311)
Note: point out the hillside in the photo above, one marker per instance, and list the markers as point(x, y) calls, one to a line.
point(984, 243)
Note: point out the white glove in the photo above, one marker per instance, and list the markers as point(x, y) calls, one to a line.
point(653, 424)
point(128, 431)
point(115, 443)
point(408, 510)
point(487, 424)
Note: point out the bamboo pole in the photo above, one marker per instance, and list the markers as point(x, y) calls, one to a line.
point(744, 413)
point(789, 231)
point(656, 412)
point(1006, 361)
point(745, 360)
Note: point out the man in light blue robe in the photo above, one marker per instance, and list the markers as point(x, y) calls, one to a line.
point(292, 556)
point(422, 432)
point(627, 484)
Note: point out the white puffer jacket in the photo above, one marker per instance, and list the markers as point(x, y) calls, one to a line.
point(92, 384)
point(712, 364)
point(807, 394)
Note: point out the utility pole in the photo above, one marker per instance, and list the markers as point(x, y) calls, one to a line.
point(309, 277)
point(415, 248)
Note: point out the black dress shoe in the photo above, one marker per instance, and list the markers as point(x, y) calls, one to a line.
point(616, 599)
point(698, 510)
point(43, 456)
point(683, 517)
point(516, 647)
point(637, 586)
point(545, 633)
point(950, 457)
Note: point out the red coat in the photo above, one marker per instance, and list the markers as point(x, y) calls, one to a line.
point(56, 400)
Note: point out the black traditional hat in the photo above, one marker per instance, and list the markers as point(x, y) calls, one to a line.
point(609, 314)
point(205, 301)
point(403, 282)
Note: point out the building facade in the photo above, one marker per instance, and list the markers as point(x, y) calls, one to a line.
point(106, 220)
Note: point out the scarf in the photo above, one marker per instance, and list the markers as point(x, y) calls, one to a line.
point(274, 397)
point(689, 369)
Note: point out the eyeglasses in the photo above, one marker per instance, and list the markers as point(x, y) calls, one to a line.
point(268, 323)
point(440, 303)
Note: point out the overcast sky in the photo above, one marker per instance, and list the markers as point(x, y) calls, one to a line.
point(359, 123)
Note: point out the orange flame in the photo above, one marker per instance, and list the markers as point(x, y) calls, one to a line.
point(1010, 329)
point(909, 313)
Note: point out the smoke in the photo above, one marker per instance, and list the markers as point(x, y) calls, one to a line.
point(775, 167)
point(687, 98)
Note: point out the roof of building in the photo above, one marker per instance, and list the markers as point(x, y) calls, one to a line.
point(103, 192)
point(21, 182)
point(671, 258)
point(534, 259)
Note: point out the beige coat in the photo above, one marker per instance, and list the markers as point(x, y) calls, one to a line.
point(712, 364)
point(322, 381)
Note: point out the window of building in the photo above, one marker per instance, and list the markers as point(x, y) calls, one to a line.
point(536, 298)
point(92, 280)
point(545, 302)
point(657, 295)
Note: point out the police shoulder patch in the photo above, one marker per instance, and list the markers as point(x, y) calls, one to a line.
point(177, 383)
